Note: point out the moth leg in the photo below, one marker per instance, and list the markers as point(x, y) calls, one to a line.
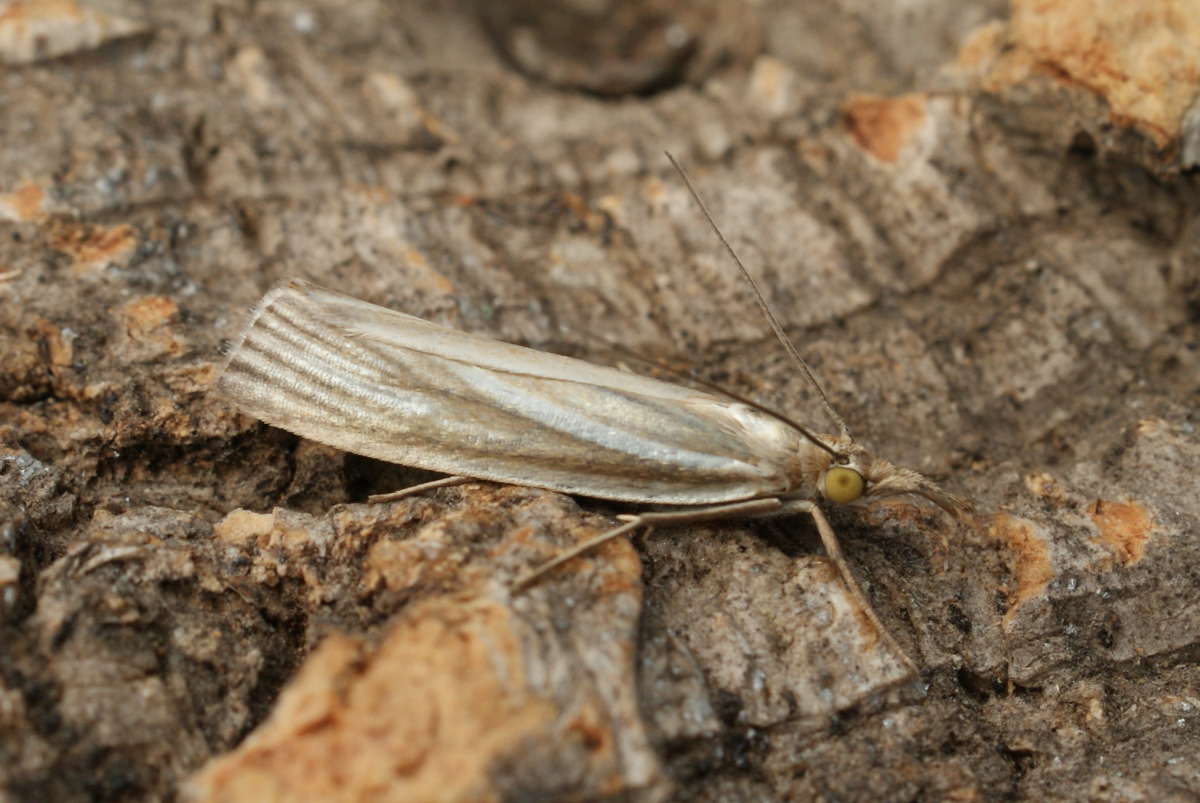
point(833, 549)
point(751, 507)
point(413, 490)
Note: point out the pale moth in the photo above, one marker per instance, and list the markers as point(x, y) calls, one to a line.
point(397, 388)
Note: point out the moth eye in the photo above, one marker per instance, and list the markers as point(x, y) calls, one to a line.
point(843, 484)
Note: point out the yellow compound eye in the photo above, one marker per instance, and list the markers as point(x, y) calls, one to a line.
point(843, 484)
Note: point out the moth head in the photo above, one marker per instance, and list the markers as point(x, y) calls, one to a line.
point(844, 479)
point(854, 474)
point(843, 484)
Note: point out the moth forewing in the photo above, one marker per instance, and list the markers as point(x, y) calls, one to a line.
point(397, 388)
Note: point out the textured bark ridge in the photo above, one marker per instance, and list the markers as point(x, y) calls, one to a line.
point(977, 220)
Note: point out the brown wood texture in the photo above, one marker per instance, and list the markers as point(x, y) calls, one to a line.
point(976, 220)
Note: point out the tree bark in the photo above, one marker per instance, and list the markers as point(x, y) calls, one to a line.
point(981, 234)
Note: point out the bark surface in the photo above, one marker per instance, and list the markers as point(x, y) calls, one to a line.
point(977, 221)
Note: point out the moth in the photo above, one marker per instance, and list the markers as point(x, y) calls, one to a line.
point(397, 388)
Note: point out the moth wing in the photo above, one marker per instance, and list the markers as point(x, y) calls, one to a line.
point(398, 388)
point(391, 329)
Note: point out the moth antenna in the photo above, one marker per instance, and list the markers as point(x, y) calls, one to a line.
point(763, 305)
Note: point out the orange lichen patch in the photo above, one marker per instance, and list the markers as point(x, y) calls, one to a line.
point(1047, 487)
point(428, 559)
point(771, 82)
point(614, 209)
point(423, 276)
point(243, 527)
point(295, 533)
point(439, 129)
point(250, 71)
point(10, 571)
point(26, 203)
point(282, 544)
point(425, 716)
point(92, 247)
point(594, 221)
point(148, 325)
point(143, 315)
point(612, 205)
point(981, 45)
point(590, 725)
point(393, 565)
point(1143, 58)
point(57, 348)
point(1033, 570)
point(39, 29)
point(1150, 427)
point(284, 531)
point(191, 377)
point(882, 126)
point(654, 191)
point(625, 563)
point(1124, 528)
